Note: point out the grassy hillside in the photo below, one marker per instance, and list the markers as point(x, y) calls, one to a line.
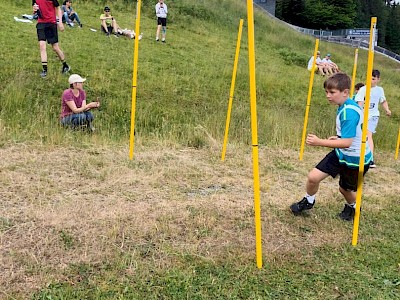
point(79, 220)
point(183, 86)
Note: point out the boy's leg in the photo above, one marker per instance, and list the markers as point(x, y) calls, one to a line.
point(164, 32)
point(43, 52)
point(115, 26)
point(43, 58)
point(328, 166)
point(348, 188)
point(350, 196)
point(75, 17)
point(158, 32)
point(61, 56)
point(104, 26)
point(370, 141)
point(164, 28)
point(313, 179)
point(58, 51)
point(65, 18)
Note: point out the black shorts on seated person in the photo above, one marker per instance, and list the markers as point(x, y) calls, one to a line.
point(109, 28)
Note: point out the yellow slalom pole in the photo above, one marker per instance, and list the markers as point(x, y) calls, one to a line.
point(397, 146)
point(228, 116)
point(364, 130)
point(134, 79)
point(353, 78)
point(310, 87)
point(254, 138)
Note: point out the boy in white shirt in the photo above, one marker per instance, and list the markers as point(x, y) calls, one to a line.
point(377, 96)
point(161, 13)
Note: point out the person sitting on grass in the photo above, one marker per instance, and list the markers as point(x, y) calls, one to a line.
point(109, 25)
point(344, 159)
point(69, 15)
point(75, 112)
point(327, 60)
point(319, 66)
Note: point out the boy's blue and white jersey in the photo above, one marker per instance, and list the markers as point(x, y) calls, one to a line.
point(349, 121)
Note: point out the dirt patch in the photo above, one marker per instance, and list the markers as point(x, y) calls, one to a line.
point(62, 206)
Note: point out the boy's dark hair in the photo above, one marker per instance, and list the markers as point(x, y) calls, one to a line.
point(339, 81)
point(376, 73)
point(359, 85)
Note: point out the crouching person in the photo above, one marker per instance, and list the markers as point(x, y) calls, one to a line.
point(75, 112)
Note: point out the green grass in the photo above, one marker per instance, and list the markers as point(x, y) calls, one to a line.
point(183, 89)
point(368, 271)
point(182, 85)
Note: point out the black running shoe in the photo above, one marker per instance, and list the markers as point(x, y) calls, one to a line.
point(348, 213)
point(65, 69)
point(43, 74)
point(298, 207)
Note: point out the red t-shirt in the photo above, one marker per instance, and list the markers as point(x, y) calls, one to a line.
point(47, 10)
point(68, 95)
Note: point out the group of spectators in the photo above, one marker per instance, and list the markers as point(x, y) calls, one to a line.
point(323, 66)
point(75, 111)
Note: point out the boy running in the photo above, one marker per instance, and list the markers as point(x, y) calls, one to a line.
point(344, 158)
point(377, 96)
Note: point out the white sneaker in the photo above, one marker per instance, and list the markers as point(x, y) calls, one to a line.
point(132, 36)
point(140, 36)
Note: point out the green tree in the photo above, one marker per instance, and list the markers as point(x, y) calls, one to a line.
point(291, 11)
point(392, 28)
point(330, 14)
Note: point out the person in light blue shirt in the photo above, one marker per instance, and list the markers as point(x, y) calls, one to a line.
point(344, 159)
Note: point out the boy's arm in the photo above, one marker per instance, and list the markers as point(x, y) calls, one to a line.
point(59, 14)
point(314, 140)
point(103, 17)
point(386, 108)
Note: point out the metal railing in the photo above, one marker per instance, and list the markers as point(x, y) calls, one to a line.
point(328, 36)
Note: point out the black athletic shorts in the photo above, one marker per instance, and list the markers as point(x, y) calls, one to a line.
point(162, 21)
point(47, 32)
point(109, 28)
point(348, 176)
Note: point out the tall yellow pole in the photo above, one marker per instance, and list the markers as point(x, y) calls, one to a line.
point(228, 116)
point(397, 146)
point(364, 130)
point(134, 80)
point(353, 78)
point(310, 87)
point(254, 138)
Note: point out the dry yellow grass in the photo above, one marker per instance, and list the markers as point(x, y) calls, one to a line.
point(61, 206)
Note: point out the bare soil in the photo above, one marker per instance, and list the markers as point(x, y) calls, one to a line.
point(61, 206)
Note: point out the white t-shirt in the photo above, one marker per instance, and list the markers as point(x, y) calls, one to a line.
point(310, 62)
point(325, 60)
point(377, 96)
point(161, 11)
